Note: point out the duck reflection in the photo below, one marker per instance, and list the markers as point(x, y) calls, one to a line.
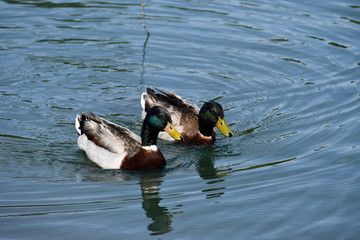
point(149, 182)
point(207, 171)
point(160, 216)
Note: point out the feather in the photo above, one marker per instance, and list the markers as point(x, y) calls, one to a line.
point(105, 134)
point(184, 114)
point(111, 146)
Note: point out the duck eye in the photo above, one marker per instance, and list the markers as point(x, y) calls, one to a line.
point(222, 123)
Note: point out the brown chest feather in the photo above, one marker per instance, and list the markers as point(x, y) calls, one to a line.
point(198, 138)
point(144, 159)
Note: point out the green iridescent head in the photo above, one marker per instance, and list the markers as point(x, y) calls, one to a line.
point(156, 120)
point(211, 114)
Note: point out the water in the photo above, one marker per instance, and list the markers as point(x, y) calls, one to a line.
point(291, 171)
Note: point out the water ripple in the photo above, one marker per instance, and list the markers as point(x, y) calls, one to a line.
point(285, 73)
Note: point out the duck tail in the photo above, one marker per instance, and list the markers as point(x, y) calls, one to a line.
point(147, 99)
point(143, 100)
point(81, 119)
point(78, 125)
point(165, 93)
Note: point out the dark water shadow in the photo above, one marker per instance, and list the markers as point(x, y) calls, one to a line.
point(149, 181)
point(78, 4)
point(205, 165)
point(47, 4)
point(160, 216)
point(269, 164)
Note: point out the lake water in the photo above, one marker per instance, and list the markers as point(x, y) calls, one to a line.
point(286, 73)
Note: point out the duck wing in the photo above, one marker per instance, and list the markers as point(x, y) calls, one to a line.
point(108, 135)
point(184, 114)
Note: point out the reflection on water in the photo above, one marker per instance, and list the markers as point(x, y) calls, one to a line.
point(205, 166)
point(150, 187)
point(160, 216)
point(143, 63)
point(286, 72)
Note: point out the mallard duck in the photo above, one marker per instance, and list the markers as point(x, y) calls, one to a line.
point(111, 146)
point(194, 124)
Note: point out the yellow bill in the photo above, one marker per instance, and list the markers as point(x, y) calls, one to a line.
point(224, 129)
point(173, 132)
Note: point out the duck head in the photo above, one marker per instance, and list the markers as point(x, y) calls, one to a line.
point(156, 120)
point(211, 114)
